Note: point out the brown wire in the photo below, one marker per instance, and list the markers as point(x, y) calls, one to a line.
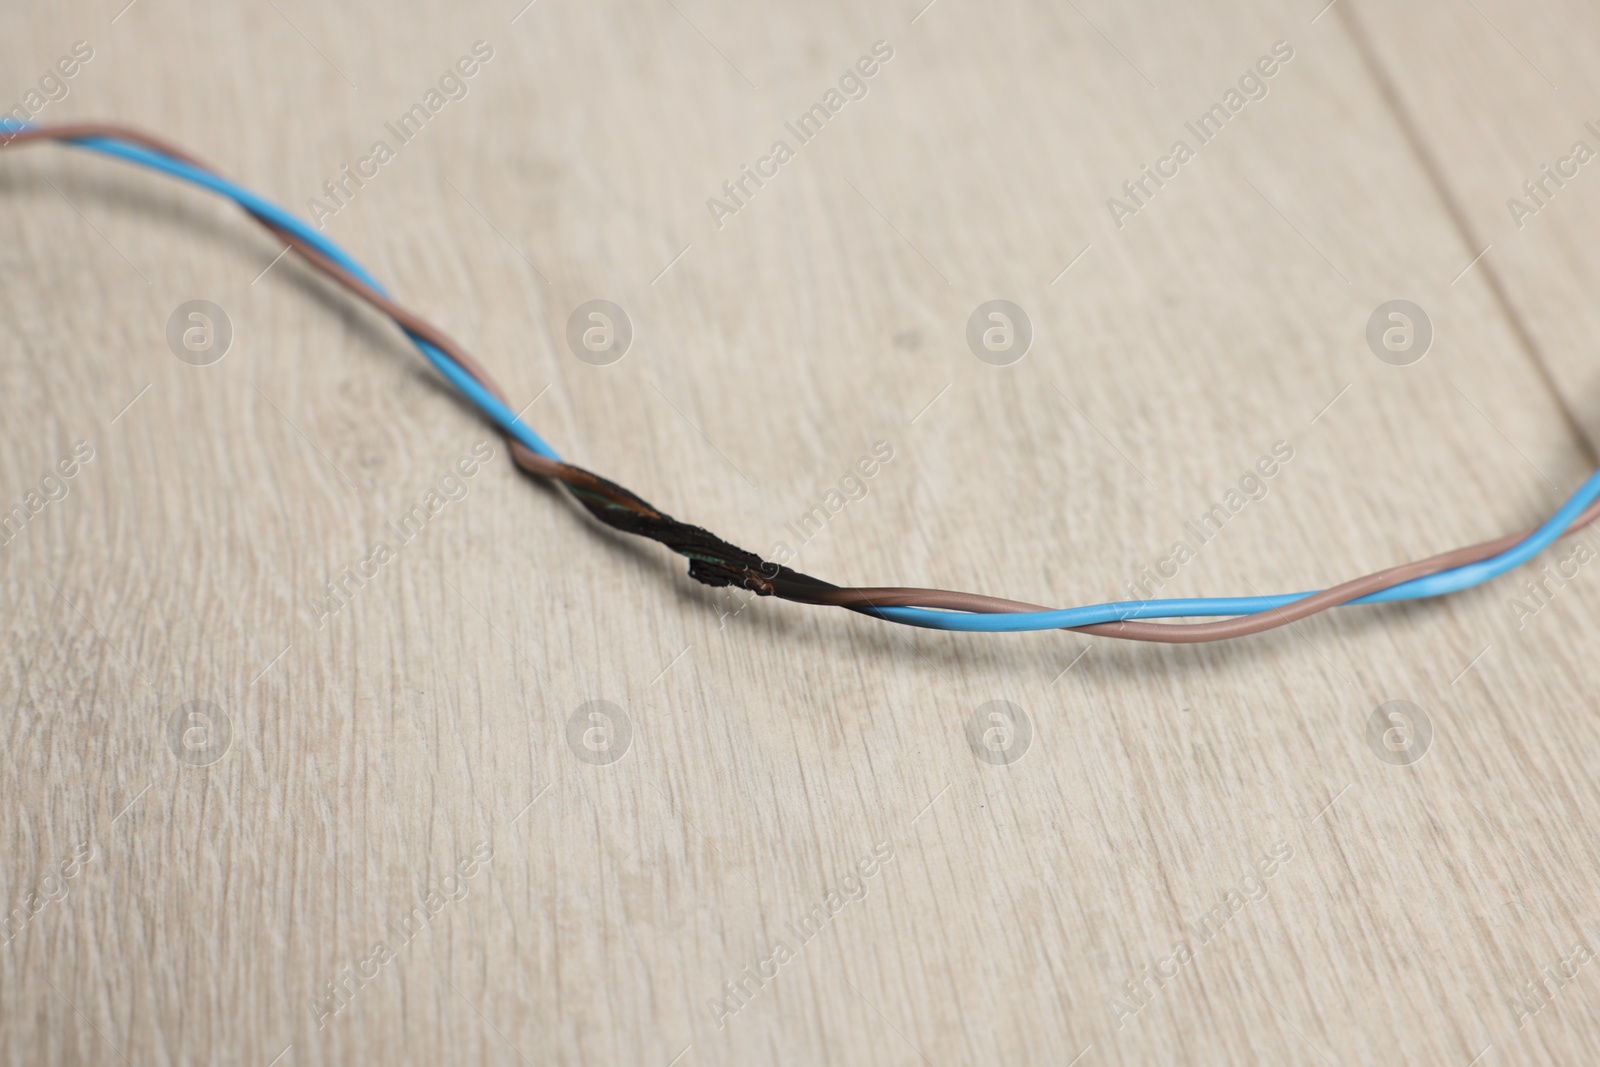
point(1190, 633)
point(605, 498)
point(405, 318)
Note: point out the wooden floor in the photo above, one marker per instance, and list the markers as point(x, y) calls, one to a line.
point(253, 819)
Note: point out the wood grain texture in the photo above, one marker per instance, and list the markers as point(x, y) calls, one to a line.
point(375, 751)
point(1490, 102)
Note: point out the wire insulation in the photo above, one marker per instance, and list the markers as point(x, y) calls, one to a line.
point(719, 563)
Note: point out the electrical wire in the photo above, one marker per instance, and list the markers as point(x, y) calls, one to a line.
point(719, 563)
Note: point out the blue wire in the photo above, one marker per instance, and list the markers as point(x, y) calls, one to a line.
point(486, 401)
point(1444, 582)
point(1449, 581)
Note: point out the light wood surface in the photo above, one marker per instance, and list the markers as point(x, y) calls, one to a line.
point(198, 913)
